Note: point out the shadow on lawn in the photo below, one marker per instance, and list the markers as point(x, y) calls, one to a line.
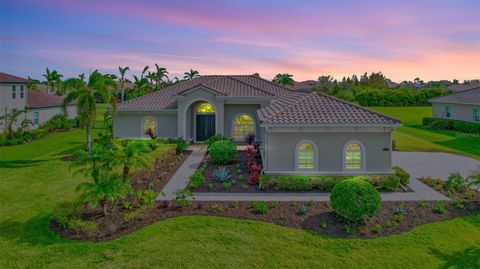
point(21, 163)
point(34, 231)
point(468, 258)
point(70, 150)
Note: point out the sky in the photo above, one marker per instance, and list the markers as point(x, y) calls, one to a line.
point(432, 40)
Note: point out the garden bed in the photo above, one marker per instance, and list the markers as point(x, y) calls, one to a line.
point(276, 184)
point(393, 218)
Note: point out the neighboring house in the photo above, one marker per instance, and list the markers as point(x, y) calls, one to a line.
point(464, 86)
point(301, 133)
point(41, 106)
point(463, 105)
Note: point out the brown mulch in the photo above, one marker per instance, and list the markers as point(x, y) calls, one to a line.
point(320, 218)
point(438, 184)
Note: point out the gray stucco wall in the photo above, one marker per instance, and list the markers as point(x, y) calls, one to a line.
point(46, 113)
point(6, 100)
point(130, 125)
point(281, 148)
point(232, 110)
point(458, 111)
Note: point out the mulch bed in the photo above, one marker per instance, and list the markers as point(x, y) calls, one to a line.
point(320, 218)
point(460, 195)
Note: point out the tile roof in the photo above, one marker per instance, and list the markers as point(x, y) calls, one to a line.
point(470, 96)
point(7, 78)
point(318, 108)
point(36, 99)
point(228, 85)
point(462, 87)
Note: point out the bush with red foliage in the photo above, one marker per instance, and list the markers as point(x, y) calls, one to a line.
point(254, 178)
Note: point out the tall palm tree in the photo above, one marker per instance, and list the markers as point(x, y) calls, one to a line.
point(160, 74)
point(122, 71)
point(145, 69)
point(142, 86)
point(284, 79)
point(86, 94)
point(32, 84)
point(191, 74)
point(82, 76)
point(53, 78)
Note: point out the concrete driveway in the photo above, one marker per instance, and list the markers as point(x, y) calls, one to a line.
point(434, 164)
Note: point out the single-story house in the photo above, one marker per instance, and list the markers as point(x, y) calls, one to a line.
point(40, 106)
point(462, 105)
point(301, 133)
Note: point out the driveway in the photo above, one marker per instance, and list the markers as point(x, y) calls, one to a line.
point(434, 164)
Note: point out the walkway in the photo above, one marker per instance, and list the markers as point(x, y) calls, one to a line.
point(418, 164)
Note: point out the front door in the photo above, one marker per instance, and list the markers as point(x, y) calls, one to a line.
point(205, 126)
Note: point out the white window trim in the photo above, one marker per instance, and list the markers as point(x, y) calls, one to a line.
point(142, 134)
point(363, 152)
point(38, 117)
point(233, 125)
point(315, 156)
point(448, 112)
point(475, 110)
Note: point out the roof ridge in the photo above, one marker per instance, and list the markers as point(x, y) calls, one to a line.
point(276, 84)
point(457, 92)
point(229, 76)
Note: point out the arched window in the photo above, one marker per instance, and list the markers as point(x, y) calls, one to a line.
point(149, 127)
point(243, 124)
point(353, 156)
point(306, 156)
point(205, 108)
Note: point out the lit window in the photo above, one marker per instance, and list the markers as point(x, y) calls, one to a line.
point(242, 126)
point(22, 92)
point(14, 92)
point(205, 108)
point(306, 156)
point(353, 156)
point(447, 112)
point(149, 127)
point(476, 115)
point(35, 118)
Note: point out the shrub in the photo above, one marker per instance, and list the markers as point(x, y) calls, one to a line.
point(234, 204)
point(354, 199)
point(147, 197)
point(390, 183)
point(196, 179)
point(249, 139)
point(455, 182)
point(227, 185)
point(216, 208)
point(184, 197)
point(180, 143)
point(303, 210)
point(222, 152)
point(210, 141)
point(38, 133)
point(440, 208)
point(222, 175)
point(448, 124)
point(260, 207)
point(402, 174)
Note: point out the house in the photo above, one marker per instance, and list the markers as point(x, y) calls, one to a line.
point(40, 106)
point(462, 105)
point(300, 132)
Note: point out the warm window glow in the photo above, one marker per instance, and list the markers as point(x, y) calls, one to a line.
point(205, 108)
point(306, 156)
point(243, 125)
point(150, 123)
point(353, 156)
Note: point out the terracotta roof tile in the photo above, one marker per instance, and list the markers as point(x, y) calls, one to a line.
point(7, 78)
point(37, 99)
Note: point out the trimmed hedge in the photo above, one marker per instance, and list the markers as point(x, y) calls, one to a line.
point(223, 151)
point(448, 124)
point(355, 198)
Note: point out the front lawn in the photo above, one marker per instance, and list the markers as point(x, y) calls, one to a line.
point(413, 136)
point(33, 180)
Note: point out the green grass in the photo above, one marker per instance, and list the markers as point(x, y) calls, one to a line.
point(33, 180)
point(413, 136)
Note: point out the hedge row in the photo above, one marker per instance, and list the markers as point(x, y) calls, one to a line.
point(448, 124)
point(397, 97)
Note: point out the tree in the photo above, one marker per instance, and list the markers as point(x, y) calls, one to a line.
point(256, 74)
point(106, 187)
point(131, 154)
point(122, 71)
point(54, 79)
point(32, 84)
point(325, 82)
point(160, 75)
point(191, 74)
point(91, 163)
point(144, 71)
point(86, 95)
point(141, 87)
point(10, 120)
point(284, 79)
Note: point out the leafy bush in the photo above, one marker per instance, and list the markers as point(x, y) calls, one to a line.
point(249, 139)
point(396, 97)
point(260, 207)
point(354, 199)
point(303, 210)
point(390, 183)
point(440, 208)
point(184, 197)
point(213, 139)
point(180, 144)
point(455, 183)
point(196, 179)
point(222, 175)
point(448, 124)
point(216, 208)
point(223, 151)
point(402, 174)
point(146, 197)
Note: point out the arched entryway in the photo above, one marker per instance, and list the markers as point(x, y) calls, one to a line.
point(203, 120)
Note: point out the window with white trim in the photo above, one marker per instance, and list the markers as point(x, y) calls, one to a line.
point(149, 125)
point(22, 92)
point(353, 156)
point(35, 117)
point(14, 91)
point(476, 114)
point(448, 112)
point(306, 156)
point(242, 126)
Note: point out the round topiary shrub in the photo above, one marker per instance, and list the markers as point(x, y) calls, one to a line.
point(355, 198)
point(223, 151)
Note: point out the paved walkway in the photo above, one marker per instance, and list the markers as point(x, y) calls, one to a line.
point(418, 164)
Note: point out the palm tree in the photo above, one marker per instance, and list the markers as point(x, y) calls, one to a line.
point(145, 69)
point(86, 94)
point(131, 154)
point(141, 87)
point(106, 187)
point(160, 74)
point(122, 71)
point(283, 79)
point(191, 74)
point(53, 79)
point(90, 164)
point(82, 76)
point(32, 84)
point(10, 120)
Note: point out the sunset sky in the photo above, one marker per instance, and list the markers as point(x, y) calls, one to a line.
point(403, 39)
